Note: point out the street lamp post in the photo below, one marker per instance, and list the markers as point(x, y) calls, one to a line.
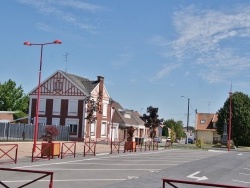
point(230, 121)
point(187, 116)
point(39, 83)
point(112, 110)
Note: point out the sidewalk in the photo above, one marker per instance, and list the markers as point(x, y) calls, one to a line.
point(25, 148)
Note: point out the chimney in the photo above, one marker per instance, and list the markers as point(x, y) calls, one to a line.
point(101, 83)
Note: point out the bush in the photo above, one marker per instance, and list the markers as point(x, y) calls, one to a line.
point(199, 142)
point(50, 133)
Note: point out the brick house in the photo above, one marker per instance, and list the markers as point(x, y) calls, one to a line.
point(124, 118)
point(205, 127)
point(6, 116)
point(63, 99)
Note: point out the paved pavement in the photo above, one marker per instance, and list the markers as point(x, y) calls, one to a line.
point(25, 148)
point(136, 169)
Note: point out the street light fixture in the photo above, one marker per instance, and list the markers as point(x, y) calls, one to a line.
point(187, 116)
point(39, 83)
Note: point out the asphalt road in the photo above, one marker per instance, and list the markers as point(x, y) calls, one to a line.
point(138, 169)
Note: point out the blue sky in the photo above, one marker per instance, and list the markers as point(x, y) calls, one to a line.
point(150, 52)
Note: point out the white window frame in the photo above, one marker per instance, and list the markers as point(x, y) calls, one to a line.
point(104, 129)
point(71, 121)
point(105, 110)
point(203, 121)
point(72, 107)
point(92, 129)
point(42, 106)
point(56, 106)
point(55, 121)
point(41, 120)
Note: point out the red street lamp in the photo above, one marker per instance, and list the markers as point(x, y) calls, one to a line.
point(39, 83)
point(230, 121)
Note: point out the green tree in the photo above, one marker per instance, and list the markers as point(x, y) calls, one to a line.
point(176, 127)
point(240, 118)
point(152, 121)
point(12, 98)
point(165, 131)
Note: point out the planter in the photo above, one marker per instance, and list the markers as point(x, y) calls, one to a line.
point(130, 146)
point(50, 150)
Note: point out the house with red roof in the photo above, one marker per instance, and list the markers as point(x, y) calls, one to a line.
point(205, 127)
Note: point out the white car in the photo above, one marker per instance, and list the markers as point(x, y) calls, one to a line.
point(157, 139)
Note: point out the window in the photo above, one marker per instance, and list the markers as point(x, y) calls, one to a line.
point(104, 129)
point(57, 86)
point(41, 120)
point(72, 109)
point(73, 125)
point(55, 121)
point(73, 129)
point(42, 106)
point(56, 106)
point(105, 110)
point(203, 121)
point(127, 115)
point(92, 129)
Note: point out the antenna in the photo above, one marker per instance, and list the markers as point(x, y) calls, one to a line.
point(66, 61)
point(230, 89)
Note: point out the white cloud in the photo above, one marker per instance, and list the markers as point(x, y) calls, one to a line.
point(55, 8)
point(165, 71)
point(80, 5)
point(209, 37)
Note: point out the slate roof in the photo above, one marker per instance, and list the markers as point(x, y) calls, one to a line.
point(124, 122)
point(83, 83)
point(205, 121)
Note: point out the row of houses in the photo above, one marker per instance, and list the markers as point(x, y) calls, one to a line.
point(65, 100)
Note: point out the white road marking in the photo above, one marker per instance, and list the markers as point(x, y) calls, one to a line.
point(132, 177)
point(123, 164)
point(100, 154)
point(244, 174)
point(154, 170)
point(246, 168)
point(100, 169)
point(219, 151)
point(196, 177)
point(240, 154)
point(241, 181)
point(68, 180)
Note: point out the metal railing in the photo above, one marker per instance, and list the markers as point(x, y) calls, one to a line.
point(46, 173)
point(8, 153)
point(172, 181)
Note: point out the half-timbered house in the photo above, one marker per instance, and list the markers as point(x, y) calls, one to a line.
point(64, 100)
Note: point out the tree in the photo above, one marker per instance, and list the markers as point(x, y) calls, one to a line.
point(152, 121)
point(176, 127)
point(165, 131)
point(12, 98)
point(240, 118)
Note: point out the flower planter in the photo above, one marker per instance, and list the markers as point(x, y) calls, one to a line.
point(130, 146)
point(50, 149)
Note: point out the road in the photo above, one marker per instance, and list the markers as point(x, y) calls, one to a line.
point(139, 169)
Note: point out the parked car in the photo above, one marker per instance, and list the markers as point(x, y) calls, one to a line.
point(157, 139)
point(190, 141)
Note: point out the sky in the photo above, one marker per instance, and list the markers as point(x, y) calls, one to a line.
point(150, 53)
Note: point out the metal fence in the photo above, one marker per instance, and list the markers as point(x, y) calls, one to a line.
point(16, 132)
